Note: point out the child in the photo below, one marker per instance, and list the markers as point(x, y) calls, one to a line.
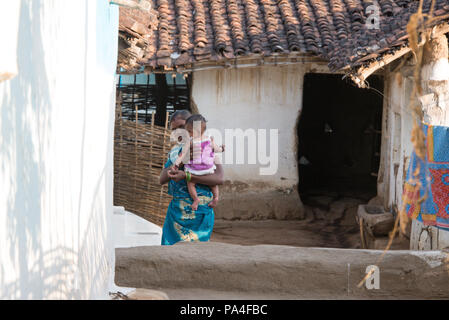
point(202, 155)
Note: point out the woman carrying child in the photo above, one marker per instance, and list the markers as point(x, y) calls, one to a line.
point(183, 223)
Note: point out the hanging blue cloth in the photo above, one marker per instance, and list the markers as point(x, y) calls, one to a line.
point(426, 191)
point(181, 223)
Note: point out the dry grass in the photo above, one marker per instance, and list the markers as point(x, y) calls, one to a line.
point(416, 28)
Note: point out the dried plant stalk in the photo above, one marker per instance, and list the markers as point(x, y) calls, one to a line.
point(416, 27)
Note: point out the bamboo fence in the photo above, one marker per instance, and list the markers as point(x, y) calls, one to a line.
point(144, 96)
point(140, 152)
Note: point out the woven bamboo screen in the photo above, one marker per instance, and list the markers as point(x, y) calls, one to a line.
point(140, 151)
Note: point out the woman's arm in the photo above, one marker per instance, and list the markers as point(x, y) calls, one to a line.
point(217, 178)
point(168, 168)
point(214, 179)
point(164, 177)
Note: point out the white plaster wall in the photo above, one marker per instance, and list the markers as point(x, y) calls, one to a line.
point(56, 152)
point(9, 20)
point(396, 139)
point(268, 97)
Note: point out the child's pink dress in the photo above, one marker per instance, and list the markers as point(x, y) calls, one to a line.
point(203, 163)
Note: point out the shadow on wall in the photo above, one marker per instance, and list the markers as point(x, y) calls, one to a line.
point(26, 109)
point(18, 149)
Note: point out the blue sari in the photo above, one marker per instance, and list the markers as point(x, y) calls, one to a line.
point(181, 223)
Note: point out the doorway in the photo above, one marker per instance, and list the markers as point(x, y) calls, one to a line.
point(339, 137)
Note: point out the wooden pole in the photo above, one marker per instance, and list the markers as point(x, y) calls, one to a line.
point(164, 154)
point(119, 175)
point(136, 154)
point(150, 177)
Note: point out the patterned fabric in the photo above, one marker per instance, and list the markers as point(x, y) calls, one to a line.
point(174, 153)
point(181, 223)
point(202, 161)
point(426, 190)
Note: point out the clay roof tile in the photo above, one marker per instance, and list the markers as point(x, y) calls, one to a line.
point(180, 32)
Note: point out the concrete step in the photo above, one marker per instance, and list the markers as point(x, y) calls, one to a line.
point(280, 271)
point(131, 230)
point(208, 294)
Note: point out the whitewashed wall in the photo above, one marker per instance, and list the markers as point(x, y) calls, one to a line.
point(56, 152)
point(268, 97)
point(9, 20)
point(396, 147)
point(254, 98)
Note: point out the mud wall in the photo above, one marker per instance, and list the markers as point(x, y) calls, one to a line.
point(268, 97)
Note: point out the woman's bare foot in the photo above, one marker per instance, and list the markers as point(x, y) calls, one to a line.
point(213, 203)
point(195, 204)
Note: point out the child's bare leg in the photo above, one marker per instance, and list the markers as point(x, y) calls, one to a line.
point(194, 195)
point(214, 201)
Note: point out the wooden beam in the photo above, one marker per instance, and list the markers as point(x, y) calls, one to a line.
point(364, 72)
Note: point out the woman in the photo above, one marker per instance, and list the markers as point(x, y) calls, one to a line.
point(181, 223)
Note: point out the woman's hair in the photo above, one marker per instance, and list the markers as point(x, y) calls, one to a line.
point(196, 117)
point(180, 114)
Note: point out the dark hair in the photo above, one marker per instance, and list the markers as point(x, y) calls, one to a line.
point(196, 117)
point(180, 114)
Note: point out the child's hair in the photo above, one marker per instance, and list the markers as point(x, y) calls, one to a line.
point(196, 117)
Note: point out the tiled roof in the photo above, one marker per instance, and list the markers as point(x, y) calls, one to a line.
point(186, 32)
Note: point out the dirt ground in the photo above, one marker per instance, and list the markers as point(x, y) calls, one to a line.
point(289, 232)
point(329, 223)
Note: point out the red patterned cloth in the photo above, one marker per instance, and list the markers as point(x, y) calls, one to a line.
point(426, 190)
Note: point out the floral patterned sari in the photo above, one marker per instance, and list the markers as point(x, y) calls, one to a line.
point(181, 223)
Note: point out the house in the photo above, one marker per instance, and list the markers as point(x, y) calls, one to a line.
point(335, 78)
point(57, 107)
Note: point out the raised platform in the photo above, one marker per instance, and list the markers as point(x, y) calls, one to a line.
point(281, 271)
point(131, 230)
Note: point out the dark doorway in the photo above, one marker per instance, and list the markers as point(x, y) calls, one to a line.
point(339, 136)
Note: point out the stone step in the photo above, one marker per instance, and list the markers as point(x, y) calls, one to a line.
point(131, 230)
point(208, 294)
point(283, 271)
